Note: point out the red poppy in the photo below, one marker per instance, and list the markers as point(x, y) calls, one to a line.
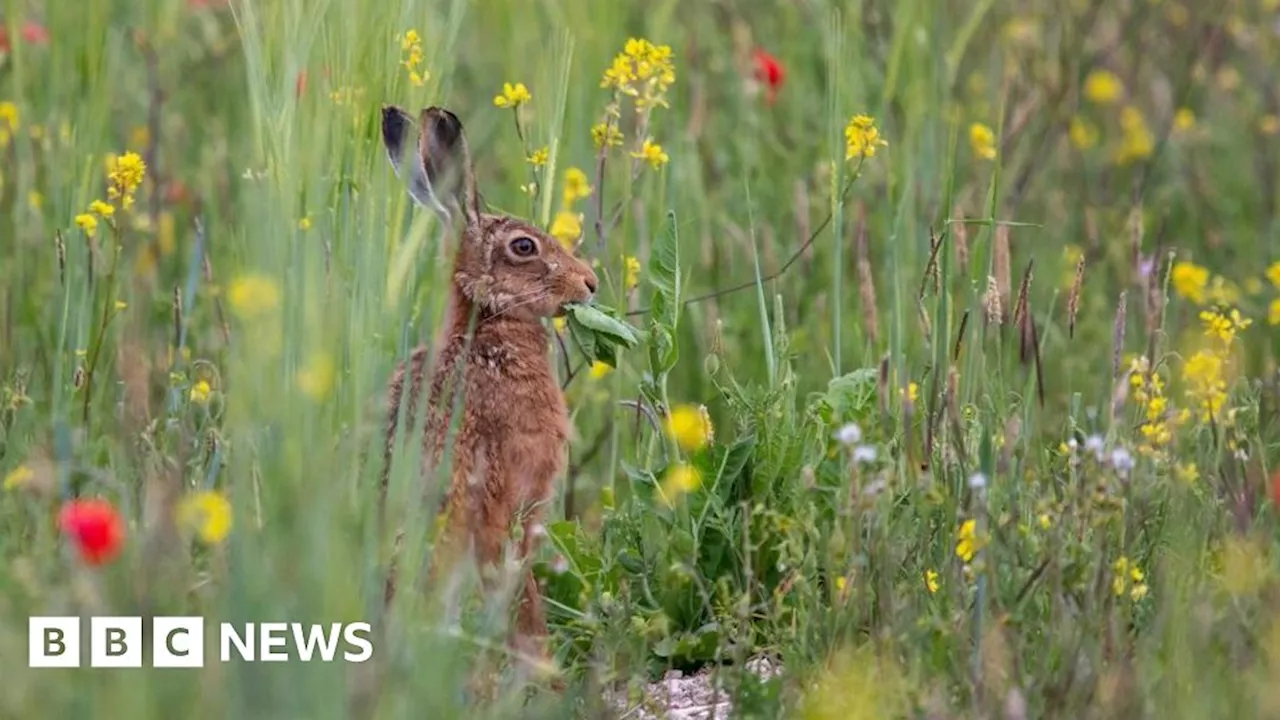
point(33, 33)
point(95, 527)
point(769, 71)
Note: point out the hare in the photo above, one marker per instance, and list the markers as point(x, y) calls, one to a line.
point(512, 425)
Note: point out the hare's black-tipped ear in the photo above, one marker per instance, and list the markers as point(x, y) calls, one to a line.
point(398, 135)
point(442, 149)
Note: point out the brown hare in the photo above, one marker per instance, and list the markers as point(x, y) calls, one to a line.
point(511, 423)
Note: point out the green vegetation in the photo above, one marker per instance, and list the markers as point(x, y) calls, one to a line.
point(950, 377)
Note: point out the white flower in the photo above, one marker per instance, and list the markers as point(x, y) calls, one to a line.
point(1093, 444)
point(560, 565)
point(538, 530)
point(849, 434)
point(1122, 461)
point(864, 454)
point(977, 481)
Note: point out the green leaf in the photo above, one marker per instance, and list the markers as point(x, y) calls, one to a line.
point(664, 276)
point(596, 319)
point(849, 396)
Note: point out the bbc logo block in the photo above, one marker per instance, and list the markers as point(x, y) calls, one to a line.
point(179, 642)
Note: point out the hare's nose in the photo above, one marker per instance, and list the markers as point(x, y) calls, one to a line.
point(592, 283)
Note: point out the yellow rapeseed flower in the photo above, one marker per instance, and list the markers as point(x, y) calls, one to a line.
point(304, 223)
point(200, 392)
point(967, 543)
point(652, 152)
point(207, 513)
point(599, 369)
point(102, 209)
point(576, 186)
point(862, 137)
point(632, 276)
point(1206, 384)
point(1190, 281)
point(125, 175)
point(1103, 87)
point(690, 425)
point(606, 135)
point(253, 295)
point(1273, 274)
point(1273, 312)
point(931, 581)
point(539, 157)
point(87, 222)
point(9, 122)
point(983, 141)
point(567, 227)
point(1137, 142)
point(1224, 326)
point(512, 96)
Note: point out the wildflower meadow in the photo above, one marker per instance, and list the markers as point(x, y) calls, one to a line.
point(932, 366)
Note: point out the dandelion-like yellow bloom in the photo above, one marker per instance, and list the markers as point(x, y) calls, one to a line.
point(512, 96)
point(567, 227)
point(1273, 274)
point(967, 543)
point(206, 513)
point(1273, 312)
point(87, 222)
point(632, 276)
point(1137, 142)
point(680, 479)
point(1184, 120)
point(862, 137)
point(200, 392)
point(1103, 87)
point(606, 135)
point(690, 425)
point(599, 369)
point(253, 295)
point(18, 477)
point(982, 140)
point(576, 186)
point(315, 379)
point(1190, 281)
point(125, 175)
point(1083, 134)
point(652, 152)
point(931, 581)
point(539, 157)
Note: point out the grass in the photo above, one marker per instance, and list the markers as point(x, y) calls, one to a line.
point(1122, 556)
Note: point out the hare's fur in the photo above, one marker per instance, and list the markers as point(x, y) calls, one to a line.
point(492, 376)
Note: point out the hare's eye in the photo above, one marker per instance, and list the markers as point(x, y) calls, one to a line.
point(524, 247)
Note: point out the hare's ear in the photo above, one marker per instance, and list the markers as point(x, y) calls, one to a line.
point(398, 135)
point(442, 151)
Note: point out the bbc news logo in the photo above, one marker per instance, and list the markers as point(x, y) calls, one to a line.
point(178, 642)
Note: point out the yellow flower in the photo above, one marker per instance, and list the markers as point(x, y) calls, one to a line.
point(125, 175)
point(1128, 577)
point(1206, 387)
point(576, 186)
point(643, 71)
point(567, 227)
point(18, 477)
point(690, 425)
point(200, 392)
point(35, 200)
point(253, 295)
point(841, 583)
point(559, 323)
point(512, 96)
point(1083, 134)
point(1273, 312)
point(121, 305)
point(539, 157)
point(105, 210)
point(1103, 87)
point(207, 513)
point(983, 141)
point(1273, 274)
point(1184, 119)
point(632, 277)
point(967, 543)
point(913, 392)
point(315, 380)
point(1137, 142)
point(1190, 280)
point(862, 137)
point(652, 152)
point(1269, 125)
point(9, 122)
point(1187, 473)
point(1224, 326)
point(599, 370)
point(931, 581)
point(605, 135)
point(679, 480)
point(304, 223)
point(87, 222)
point(1045, 521)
